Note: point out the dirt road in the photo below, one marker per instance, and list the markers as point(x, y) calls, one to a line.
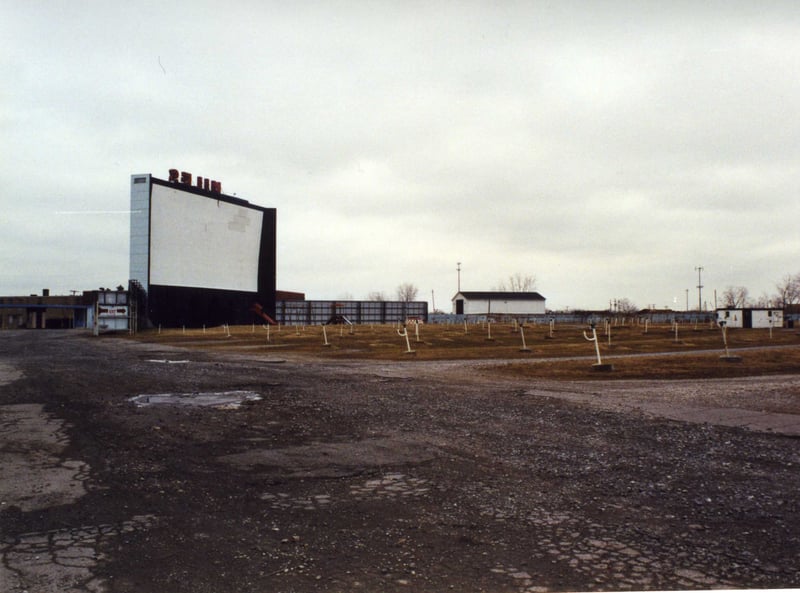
point(332, 476)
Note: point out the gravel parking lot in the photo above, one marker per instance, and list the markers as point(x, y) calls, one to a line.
point(136, 467)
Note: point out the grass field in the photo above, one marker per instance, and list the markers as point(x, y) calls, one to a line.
point(634, 351)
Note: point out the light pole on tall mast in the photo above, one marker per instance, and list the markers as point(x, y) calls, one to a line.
point(699, 270)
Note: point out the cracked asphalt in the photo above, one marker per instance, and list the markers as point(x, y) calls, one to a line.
point(380, 476)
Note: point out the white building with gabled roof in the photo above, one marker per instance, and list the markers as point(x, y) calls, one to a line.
point(498, 303)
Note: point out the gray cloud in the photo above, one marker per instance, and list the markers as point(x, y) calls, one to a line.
point(607, 148)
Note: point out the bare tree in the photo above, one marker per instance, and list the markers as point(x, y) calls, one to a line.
point(406, 292)
point(376, 295)
point(735, 297)
point(763, 302)
point(626, 306)
point(788, 291)
point(517, 283)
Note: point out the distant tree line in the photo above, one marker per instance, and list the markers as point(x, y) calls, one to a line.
point(517, 283)
point(787, 293)
point(733, 297)
point(405, 292)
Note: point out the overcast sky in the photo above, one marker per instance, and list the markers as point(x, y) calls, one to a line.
point(606, 148)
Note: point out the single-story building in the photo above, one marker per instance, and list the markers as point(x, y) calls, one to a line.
point(103, 310)
point(751, 318)
point(488, 303)
point(44, 312)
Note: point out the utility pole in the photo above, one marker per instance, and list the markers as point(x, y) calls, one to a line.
point(687, 299)
point(458, 269)
point(699, 271)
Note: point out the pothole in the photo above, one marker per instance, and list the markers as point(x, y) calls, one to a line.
point(221, 400)
point(320, 460)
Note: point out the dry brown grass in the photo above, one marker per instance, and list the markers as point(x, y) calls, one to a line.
point(688, 366)
point(634, 353)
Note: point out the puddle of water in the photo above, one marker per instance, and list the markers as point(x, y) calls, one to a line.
point(224, 400)
point(165, 361)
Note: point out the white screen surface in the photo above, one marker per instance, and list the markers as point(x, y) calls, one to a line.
point(201, 242)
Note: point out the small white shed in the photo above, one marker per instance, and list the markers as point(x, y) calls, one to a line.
point(751, 318)
point(498, 303)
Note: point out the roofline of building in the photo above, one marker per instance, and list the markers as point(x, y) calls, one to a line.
point(495, 294)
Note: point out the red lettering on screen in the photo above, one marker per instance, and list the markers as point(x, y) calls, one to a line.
point(205, 183)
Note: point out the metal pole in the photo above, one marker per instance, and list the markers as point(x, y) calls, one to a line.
point(699, 270)
point(522, 333)
point(596, 345)
point(404, 334)
point(725, 339)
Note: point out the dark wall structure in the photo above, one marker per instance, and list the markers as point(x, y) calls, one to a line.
point(302, 312)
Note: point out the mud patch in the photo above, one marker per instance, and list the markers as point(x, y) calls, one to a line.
point(224, 400)
point(335, 459)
